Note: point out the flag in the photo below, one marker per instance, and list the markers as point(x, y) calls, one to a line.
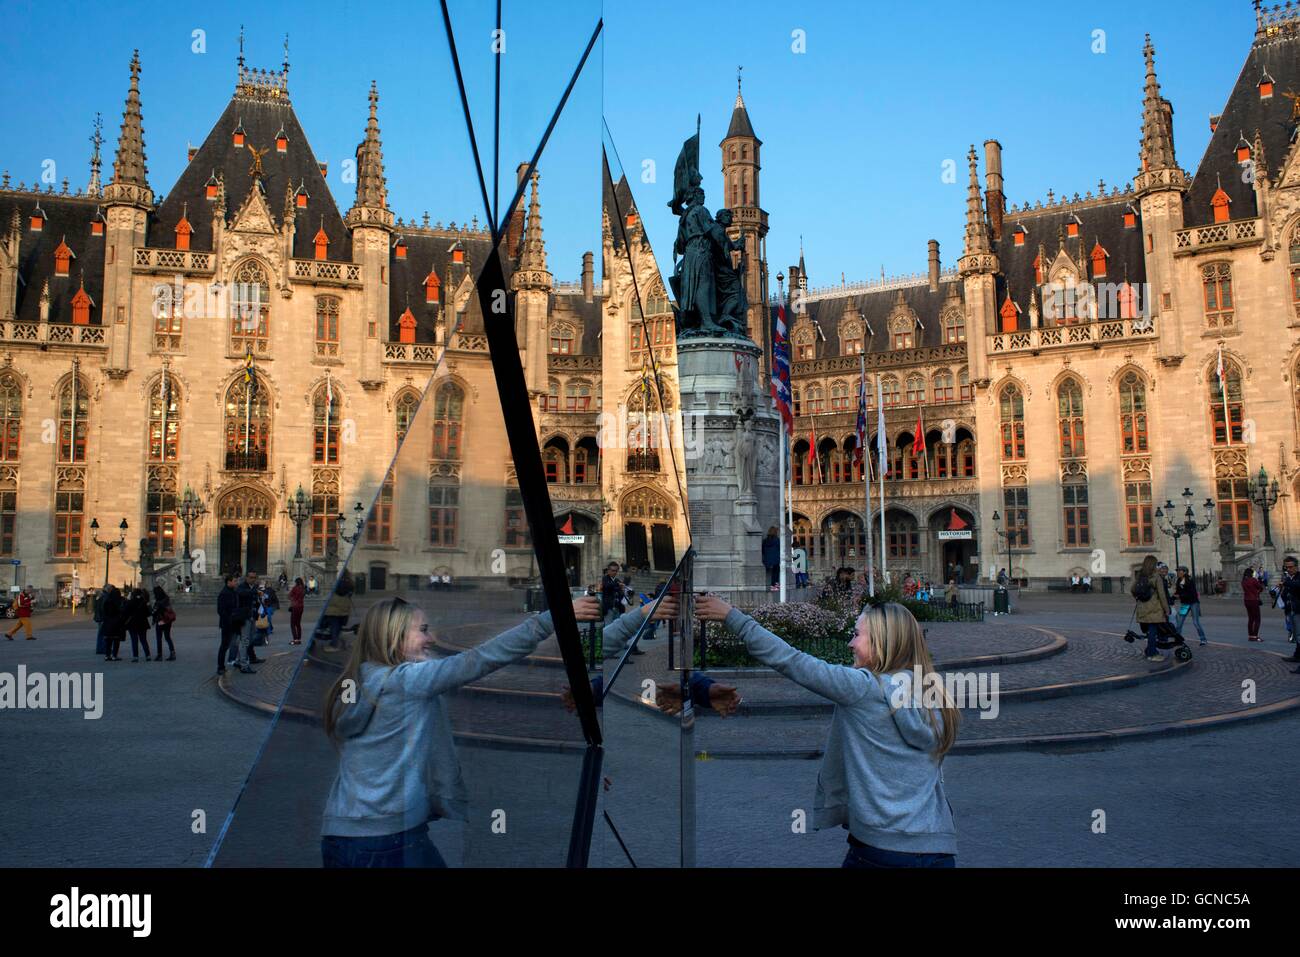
point(955, 522)
point(812, 446)
point(1219, 369)
point(858, 455)
point(781, 370)
point(250, 380)
point(329, 397)
point(918, 437)
point(567, 527)
point(882, 448)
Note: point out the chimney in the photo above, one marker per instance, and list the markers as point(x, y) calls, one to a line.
point(515, 228)
point(934, 265)
point(588, 283)
point(994, 199)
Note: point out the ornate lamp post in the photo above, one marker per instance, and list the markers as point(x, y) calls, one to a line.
point(107, 546)
point(299, 513)
point(1003, 534)
point(1189, 526)
point(1168, 528)
point(360, 513)
point(190, 510)
point(1265, 496)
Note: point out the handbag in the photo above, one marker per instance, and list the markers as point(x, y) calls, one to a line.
point(168, 615)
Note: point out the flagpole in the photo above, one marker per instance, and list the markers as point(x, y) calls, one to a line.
point(880, 441)
point(1223, 387)
point(866, 477)
point(781, 513)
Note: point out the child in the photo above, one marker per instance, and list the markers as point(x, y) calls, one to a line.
point(882, 776)
point(397, 759)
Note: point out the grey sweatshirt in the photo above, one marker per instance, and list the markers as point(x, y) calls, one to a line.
point(397, 759)
point(879, 776)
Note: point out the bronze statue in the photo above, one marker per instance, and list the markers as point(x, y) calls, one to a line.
point(729, 280)
point(255, 170)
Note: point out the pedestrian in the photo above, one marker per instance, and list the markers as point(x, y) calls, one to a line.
point(271, 603)
point(136, 615)
point(1152, 604)
point(163, 616)
point(380, 804)
point(1087, 583)
point(97, 612)
point(311, 584)
point(297, 595)
point(882, 774)
point(772, 558)
point(338, 608)
point(114, 622)
point(950, 592)
point(1251, 588)
point(611, 594)
point(1289, 595)
point(228, 620)
point(23, 614)
point(1189, 602)
point(246, 593)
point(283, 580)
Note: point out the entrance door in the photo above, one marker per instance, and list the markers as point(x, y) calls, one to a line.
point(635, 547)
point(661, 538)
point(257, 539)
point(572, 563)
point(232, 550)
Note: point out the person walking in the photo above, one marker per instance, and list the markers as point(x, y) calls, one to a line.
point(1251, 589)
point(611, 594)
point(136, 614)
point(228, 620)
point(297, 596)
point(882, 774)
point(114, 621)
point(163, 616)
point(772, 558)
point(22, 614)
point(950, 592)
point(1152, 604)
point(270, 604)
point(379, 807)
point(97, 612)
point(338, 609)
point(242, 654)
point(1189, 602)
point(1288, 594)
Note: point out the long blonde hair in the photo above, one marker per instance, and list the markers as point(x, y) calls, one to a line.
point(380, 640)
point(898, 644)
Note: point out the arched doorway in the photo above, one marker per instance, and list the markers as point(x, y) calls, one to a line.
point(244, 515)
point(580, 546)
point(648, 532)
point(954, 531)
point(845, 539)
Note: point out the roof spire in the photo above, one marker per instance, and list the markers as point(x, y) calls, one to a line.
point(533, 257)
point(371, 187)
point(96, 141)
point(1157, 136)
point(241, 48)
point(977, 234)
point(129, 170)
point(286, 54)
point(740, 125)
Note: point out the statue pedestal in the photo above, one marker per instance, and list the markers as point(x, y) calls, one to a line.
point(730, 434)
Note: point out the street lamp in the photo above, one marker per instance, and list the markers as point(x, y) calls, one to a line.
point(191, 509)
point(1189, 526)
point(107, 546)
point(1265, 496)
point(1006, 537)
point(360, 513)
point(299, 513)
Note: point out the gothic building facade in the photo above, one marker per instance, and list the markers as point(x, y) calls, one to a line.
point(246, 345)
point(1089, 359)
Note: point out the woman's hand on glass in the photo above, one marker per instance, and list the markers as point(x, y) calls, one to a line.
point(587, 608)
point(711, 608)
point(665, 609)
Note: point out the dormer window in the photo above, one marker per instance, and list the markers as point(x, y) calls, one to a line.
point(1010, 314)
point(38, 219)
point(1072, 227)
point(1018, 236)
point(1214, 122)
point(62, 258)
point(190, 153)
point(1221, 202)
point(238, 136)
point(406, 327)
point(1130, 218)
point(1243, 150)
point(631, 220)
point(183, 231)
point(1098, 257)
point(322, 242)
point(399, 248)
point(281, 141)
point(97, 227)
point(432, 287)
point(81, 304)
point(1266, 87)
point(210, 187)
point(324, 169)
point(905, 339)
point(458, 253)
point(301, 196)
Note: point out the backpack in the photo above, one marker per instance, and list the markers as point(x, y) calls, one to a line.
point(1142, 590)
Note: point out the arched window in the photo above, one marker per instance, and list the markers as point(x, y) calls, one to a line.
point(405, 409)
point(74, 420)
point(964, 390)
point(325, 425)
point(839, 397)
point(1234, 502)
point(966, 458)
point(1294, 250)
point(816, 400)
point(1216, 280)
point(448, 412)
point(164, 420)
point(160, 509)
point(247, 425)
point(1012, 414)
point(11, 417)
point(915, 390)
point(1132, 414)
point(562, 338)
point(327, 326)
point(797, 396)
point(1226, 409)
point(577, 397)
point(889, 390)
point(954, 326)
point(250, 305)
point(555, 460)
point(943, 389)
point(903, 536)
point(551, 401)
point(1069, 417)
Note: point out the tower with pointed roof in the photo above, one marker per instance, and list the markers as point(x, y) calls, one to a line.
point(1160, 185)
point(371, 223)
point(532, 283)
point(741, 170)
point(978, 268)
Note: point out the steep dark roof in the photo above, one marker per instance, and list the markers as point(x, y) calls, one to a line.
point(67, 219)
point(1244, 114)
point(740, 125)
point(617, 201)
point(1102, 222)
point(433, 248)
point(571, 305)
point(875, 307)
point(261, 120)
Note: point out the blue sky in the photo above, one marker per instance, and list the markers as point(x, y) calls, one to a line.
point(856, 129)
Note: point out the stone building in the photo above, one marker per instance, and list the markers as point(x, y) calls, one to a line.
point(246, 340)
point(1067, 373)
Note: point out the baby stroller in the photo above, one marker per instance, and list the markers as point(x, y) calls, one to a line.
point(1167, 637)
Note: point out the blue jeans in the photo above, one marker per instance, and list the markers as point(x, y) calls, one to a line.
point(865, 856)
point(1195, 611)
point(408, 849)
point(1153, 635)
